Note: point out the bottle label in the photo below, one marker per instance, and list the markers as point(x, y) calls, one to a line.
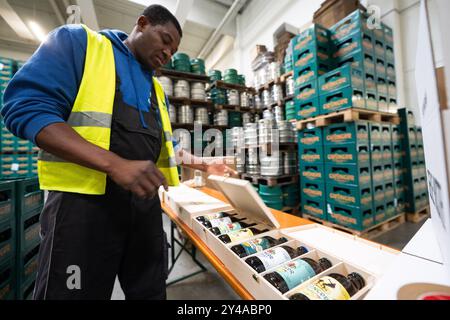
point(213, 216)
point(326, 288)
point(217, 222)
point(296, 272)
point(255, 246)
point(229, 227)
point(274, 257)
point(240, 235)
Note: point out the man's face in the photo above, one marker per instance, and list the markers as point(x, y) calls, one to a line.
point(156, 44)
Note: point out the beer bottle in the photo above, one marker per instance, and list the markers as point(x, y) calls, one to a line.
point(240, 235)
point(332, 287)
point(293, 273)
point(257, 245)
point(211, 216)
point(225, 220)
point(223, 228)
point(274, 257)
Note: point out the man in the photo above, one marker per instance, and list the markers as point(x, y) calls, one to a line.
point(89, 101)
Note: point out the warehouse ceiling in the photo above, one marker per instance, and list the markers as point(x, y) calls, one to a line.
point(21, 20)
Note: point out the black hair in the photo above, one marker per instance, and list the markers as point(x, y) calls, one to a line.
point(159, 15)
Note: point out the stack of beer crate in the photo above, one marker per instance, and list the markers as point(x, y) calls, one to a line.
point(312, 58)
point(7, 241)
point(29, 204)
point(414, 161)
point(18, 157)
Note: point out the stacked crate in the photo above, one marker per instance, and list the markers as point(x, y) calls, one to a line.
point(312, 173)
point(353, 44)
point(311, 59)
point(29, 204)
point(414, 161)
point(18, 157)
point(7, 240)
point(348, 175)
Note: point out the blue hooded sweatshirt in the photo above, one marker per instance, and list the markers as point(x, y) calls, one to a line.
point(44, 90)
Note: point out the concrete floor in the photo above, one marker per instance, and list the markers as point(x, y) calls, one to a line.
point(209, 285)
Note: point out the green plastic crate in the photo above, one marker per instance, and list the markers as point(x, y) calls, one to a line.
point(313, 190)
point(348, 175)
point(376, 155)
point(28, 228)
point(389, 54)
point(370, 82)
point(311, 137)
point(401, 205)
point(386, 134)
point(307, 91)
point(354, 196)
point(339, 78)
point(358, 42)
point(375, 133)
point(309, 72)
point(352, 24)
point(347, 154)
point(389, 192)
point(28, 195)
point(27, 290)
point(398, 153)
point(345, 98)
point(7, 201)
point(312, 173)
point(350, 217)
point(361, 60)
point(351, 132)
point(378, 195)
point(7, 241)
point(7, 281)
point(400, 188)
point(311, 154)
point(315, 35)
point(314, 208)
point(371, 100)
point(382, 88)
point(377, 175)
point(390, 209)
point(27, 265)
point(387, 155)
point(311, 55)
point(380, 50)
point(380, 213)
point(307, 108)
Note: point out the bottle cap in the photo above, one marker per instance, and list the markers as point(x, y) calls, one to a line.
point(357, 280)
point(325, 263)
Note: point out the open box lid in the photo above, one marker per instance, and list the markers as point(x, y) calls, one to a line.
point(245, 200)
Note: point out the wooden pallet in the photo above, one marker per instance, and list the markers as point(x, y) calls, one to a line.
point(178, 75)
point(271, 181)
point(348, 115)
point(190, 102)
point(371, 233)
point(230, 86)
point(418, 216)
point(235, 108)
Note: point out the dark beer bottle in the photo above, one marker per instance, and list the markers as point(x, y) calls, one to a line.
point(332, 287)
point(274, 257)
point(257, 245)
point(240, 235)
point(211, 216)
point(224, 228)
point(293, 273)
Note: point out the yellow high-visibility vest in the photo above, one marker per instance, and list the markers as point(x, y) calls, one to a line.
point(91, 117)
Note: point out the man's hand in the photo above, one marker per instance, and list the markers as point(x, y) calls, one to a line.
point(142, 178)
point(221, 170)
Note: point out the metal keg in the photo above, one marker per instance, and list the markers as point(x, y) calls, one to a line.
point(266, 98)
point(257, 117)
point(201, 115)
point(221, 118)
point(290, 86)
point(272, 165)
point(277, 93)
point(198, 91)
point(272, 196)
point(167, 85)
point(290, 110)
point(246, 118)
point(286, 131)
point(233, 97)
point(182, 89)
point(289, 162)
point(172, 113)
point(245, 99)
point(185, 114)
point(251, 134)
point(278, 114)
point(252, 164)
point(265, 131)
point(237, 137)
point(268, 114)
point(257, 102)
point(274, 69)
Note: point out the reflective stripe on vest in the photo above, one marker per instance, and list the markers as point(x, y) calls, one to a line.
point(91, 118)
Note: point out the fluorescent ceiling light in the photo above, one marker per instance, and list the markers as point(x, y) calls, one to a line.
point(37, 30)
